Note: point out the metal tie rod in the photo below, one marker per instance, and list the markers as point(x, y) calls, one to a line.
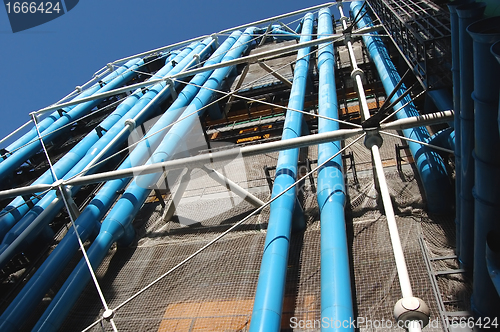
point(247, 151)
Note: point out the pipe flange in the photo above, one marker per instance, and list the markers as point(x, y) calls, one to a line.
point(343, 18)
point(130, 123)
point(410, 309)
point(373, 138)
point(357, 72)
point(110, 66)
point(197, 58)
point(108, 315)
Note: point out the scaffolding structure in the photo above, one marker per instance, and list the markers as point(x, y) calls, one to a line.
point(421, 32)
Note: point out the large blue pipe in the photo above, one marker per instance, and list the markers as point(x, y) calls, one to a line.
point(455, 70)
point(47, 121)
point(280, 34)
point(443, 101)
point(268, 303)
point(444, 138)
point(17, 208)
point(495, 50)
point(336, 297)
point(485, 301)
point(46, 275)
point(138, 112)
point(55, 129)
point(429, 164)
point(118, 221)
point(493, 259)
point(467, 14)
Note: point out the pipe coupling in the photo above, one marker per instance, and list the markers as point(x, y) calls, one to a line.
point(357, 72)
point(410, 309)
point(197, 58)
point(110, 66)
point(373, 138)
point(130, 123)
point(78, 89)
point(108, 315)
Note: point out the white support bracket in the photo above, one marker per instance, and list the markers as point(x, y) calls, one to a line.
point(264, 37)
point(275, 73)
point(287, 28)
point(233, 187)
point(216, 38)
point(196, 57)
point(173, 93)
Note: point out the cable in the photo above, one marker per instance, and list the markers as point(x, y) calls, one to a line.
point(403, 106)
point(419, 142)
point(82, 248)
point(25, 202)
point(226, 94)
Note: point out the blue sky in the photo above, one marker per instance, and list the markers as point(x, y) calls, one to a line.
point(43, 64)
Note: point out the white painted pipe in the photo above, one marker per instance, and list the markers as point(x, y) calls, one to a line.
point(234, 187)
point(404, 279)
point(246, 151)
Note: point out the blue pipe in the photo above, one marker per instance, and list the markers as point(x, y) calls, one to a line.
point(63, 166)
point(455, 70)
point(46, 275)
point(133, 110)
point(336, 297)
point(119, 220)
point(444, 138)
point(299, 26)
point(493, 259)
point(47, 121)
point(268, 303)
point(443, 102)
point(32, 293)
point(52, 132)
point(485, 302)
point(466, 15)
point(17, 208)
point(280, 34)
point(429, 164)
point(495, 50)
